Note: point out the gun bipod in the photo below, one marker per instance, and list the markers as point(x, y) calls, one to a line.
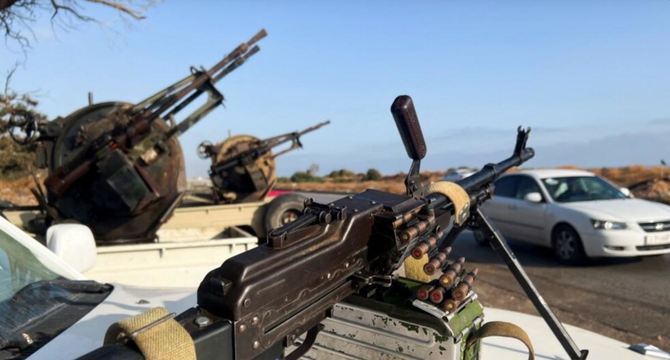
point(481, 222)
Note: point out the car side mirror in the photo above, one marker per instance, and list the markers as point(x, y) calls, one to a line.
point(74, 244)
point(626, 191)
point(534, 197)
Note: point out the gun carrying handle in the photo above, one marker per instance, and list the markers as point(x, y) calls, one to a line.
point(407, 121)
point(502, 329)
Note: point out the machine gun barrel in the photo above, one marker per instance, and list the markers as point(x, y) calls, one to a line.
point(187, 123)
point(266, 145)
point(295, 137)
point(210, 74)
point(313, 128)
point(490, 172)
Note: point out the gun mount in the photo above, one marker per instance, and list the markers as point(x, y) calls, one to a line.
point(118, 167)
point(243, 166)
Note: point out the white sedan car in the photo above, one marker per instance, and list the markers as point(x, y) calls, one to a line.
point(578, 214)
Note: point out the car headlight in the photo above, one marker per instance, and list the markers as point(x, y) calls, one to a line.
point(608, 225)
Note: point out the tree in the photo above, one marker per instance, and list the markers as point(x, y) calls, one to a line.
point(16, 16)
point(313, 169)
point(373, 175)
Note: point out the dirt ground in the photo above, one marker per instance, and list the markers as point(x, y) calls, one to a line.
point(18, 191)
point(493, 295)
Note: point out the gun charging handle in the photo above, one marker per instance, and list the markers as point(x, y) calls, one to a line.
point(409, 128)
point(408, 125)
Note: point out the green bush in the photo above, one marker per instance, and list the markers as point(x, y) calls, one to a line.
point(305, 176)
point(342, 173)
point(373, 175)
point(15, 159)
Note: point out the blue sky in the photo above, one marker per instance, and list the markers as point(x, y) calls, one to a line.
point(591, 78)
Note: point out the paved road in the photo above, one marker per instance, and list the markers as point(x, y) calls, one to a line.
point(628, 299)
point(614, 296)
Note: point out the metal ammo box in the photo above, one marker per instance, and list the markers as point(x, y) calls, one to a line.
point(389, 327)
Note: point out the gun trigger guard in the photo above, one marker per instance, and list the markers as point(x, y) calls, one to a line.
point(310, 339)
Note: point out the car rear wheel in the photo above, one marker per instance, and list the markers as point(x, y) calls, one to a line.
point(568, 246)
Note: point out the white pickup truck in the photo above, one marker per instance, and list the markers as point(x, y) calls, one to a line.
point(197, 238)
point(48, 310)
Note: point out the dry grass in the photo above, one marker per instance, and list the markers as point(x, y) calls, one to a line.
point(659, 189)
point(17, 191)
point(390, 183)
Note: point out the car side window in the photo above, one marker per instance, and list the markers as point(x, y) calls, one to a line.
point(506, 187)
point(526, 186)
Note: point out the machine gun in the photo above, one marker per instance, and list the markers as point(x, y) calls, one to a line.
point(243, 166)
point(118, 167)
point(259, 302)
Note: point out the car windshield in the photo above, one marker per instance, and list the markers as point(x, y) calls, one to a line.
point(581, 188)
point(37, 300)
point(19, 267)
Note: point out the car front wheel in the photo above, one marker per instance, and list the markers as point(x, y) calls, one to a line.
point(568, 246)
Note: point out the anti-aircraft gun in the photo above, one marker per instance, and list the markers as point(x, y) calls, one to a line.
point(275, 296)
point(243, 166)
point(118, 167)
